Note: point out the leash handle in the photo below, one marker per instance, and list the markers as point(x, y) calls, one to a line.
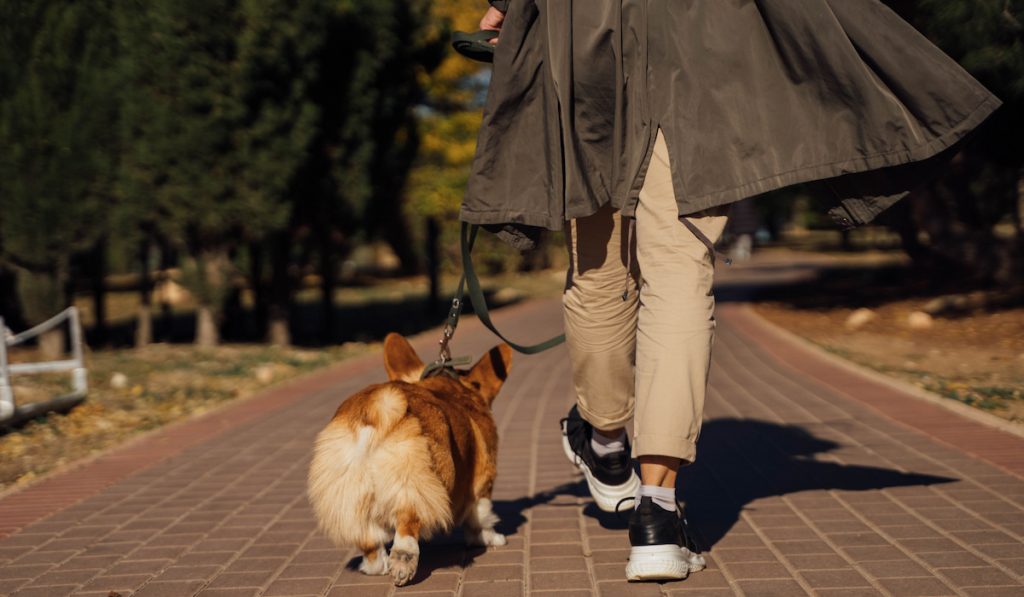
point(476, 295)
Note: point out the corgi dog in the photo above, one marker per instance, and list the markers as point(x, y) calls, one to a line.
point(408, 459)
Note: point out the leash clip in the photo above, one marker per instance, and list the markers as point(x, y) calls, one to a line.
point(445, 354)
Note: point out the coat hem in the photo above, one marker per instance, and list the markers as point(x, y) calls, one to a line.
point(775, 182)
point(504, 216)
point(850, 166)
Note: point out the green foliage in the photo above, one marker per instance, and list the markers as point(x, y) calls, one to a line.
point(57, 129)
point(212, 126)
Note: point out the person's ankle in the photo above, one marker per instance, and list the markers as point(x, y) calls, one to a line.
point(664, 497)
point(605, 443)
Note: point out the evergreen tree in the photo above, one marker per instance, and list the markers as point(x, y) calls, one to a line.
point(60, 151)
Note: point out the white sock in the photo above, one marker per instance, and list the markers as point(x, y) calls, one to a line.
point(663, 496)
point(603, 446)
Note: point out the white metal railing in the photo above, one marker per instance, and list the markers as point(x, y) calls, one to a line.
point(76, 364)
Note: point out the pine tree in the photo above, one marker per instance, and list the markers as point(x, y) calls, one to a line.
point(60, 152)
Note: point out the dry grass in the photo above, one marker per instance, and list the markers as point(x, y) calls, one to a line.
point(163, 383)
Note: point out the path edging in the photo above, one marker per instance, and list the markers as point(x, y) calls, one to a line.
point(949, 404)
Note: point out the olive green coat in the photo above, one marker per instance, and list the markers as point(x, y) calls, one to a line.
point(752, 96)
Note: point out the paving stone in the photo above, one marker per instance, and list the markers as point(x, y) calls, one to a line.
point(208, 592)
point(771, 588)
point(552, 581)
point(559, 564)
point(742, 571)
point(979, 577)
point(501, 572)
point(744, 554)
point(916, 587)
point(43, 591)
point(493, 589)
point(834, 579)
point(898, 568)
point(169, 589)
point(297, 586)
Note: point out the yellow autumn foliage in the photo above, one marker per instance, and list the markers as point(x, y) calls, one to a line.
point(448, 127)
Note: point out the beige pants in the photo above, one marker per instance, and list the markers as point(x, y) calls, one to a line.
point(655, 343)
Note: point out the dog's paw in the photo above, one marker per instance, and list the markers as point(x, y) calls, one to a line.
point(376, 564)
point(405, 555)
point(403, 566)
point(485, 538)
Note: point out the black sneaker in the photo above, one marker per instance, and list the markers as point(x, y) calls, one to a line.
point(610, 478)
point(661, 548)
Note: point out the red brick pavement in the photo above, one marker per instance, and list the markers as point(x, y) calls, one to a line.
point(807, 482)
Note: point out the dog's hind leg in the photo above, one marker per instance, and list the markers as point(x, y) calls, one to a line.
point(375, 560)
point(405, 552)
point(479, 525)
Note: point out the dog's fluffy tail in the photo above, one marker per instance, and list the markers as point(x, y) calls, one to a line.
point(371, 464)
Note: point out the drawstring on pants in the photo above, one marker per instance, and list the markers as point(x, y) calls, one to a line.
point(631, 231)
point(707, 242)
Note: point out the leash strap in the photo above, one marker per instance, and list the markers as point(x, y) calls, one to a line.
point(476, 295)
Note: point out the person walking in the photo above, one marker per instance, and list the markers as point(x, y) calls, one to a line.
point(633, 125)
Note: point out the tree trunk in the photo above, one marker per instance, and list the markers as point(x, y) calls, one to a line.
point(206, 327)
point(260, 310)
point(51, 345)
point(327, 283)
point(144, 326)
point(144, 316)
point(211, 287)
point(279, 295)
point(278, 333)
point(98, 269)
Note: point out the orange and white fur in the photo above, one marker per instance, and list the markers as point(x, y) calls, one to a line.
point(409, 458)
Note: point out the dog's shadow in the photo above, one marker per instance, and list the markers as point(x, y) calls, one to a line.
point(740, 461)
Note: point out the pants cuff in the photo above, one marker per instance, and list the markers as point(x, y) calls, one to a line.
point(665, 445)
point(605, 422)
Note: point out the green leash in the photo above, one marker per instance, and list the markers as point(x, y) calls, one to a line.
point(471, 283)
point(476, 295)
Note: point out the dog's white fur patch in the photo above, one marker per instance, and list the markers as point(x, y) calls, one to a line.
point(480, 523)
point(390, 406)
point(406, 543)
point(378, 566)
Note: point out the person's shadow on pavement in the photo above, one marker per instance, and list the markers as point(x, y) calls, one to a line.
point(742, 460)
point(739, 461)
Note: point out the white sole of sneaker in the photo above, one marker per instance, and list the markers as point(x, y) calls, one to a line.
point(607, 497)
point(662, 562)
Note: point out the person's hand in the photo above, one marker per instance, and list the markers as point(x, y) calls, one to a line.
point(492, 21)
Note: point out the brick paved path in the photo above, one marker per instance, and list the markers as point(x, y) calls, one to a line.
point(811, 480)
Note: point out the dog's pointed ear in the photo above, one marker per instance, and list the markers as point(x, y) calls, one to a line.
point(490, 372)
point(400, 360)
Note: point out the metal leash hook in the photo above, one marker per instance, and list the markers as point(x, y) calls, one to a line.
point(445, 354)
point(444, 360)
